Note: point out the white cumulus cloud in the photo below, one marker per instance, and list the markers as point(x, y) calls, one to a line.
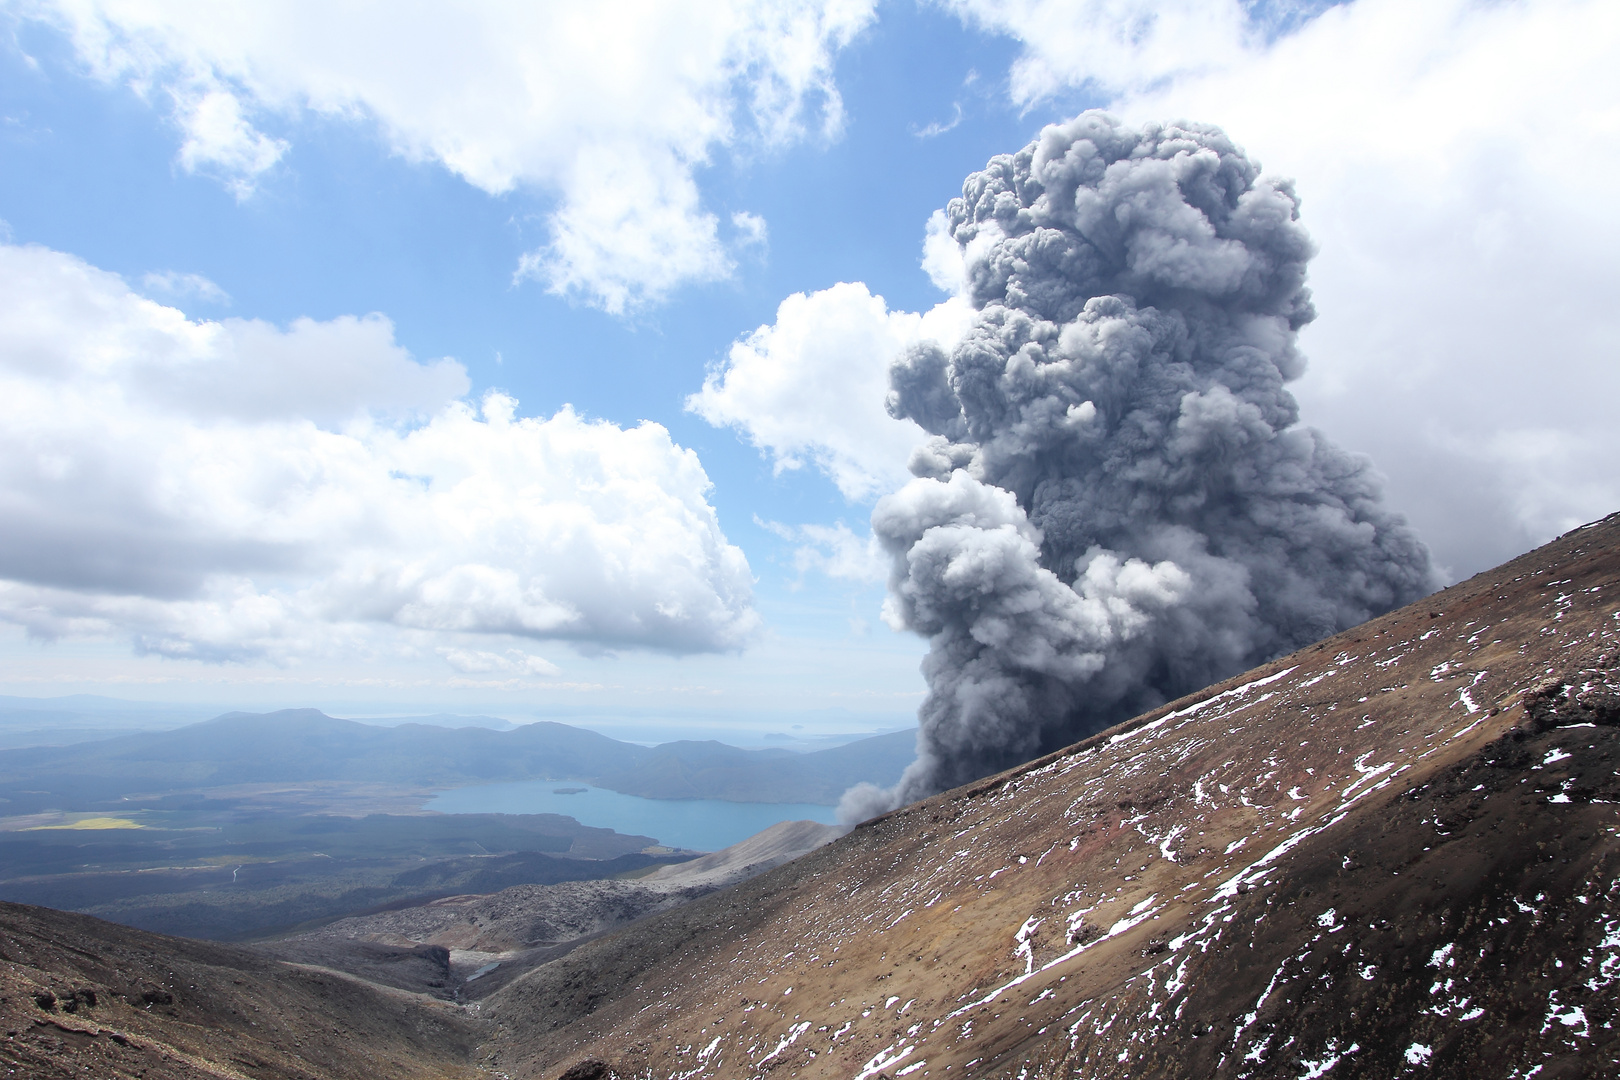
point(1112, 45)
point(1455, 161)
point(809, 389)
point(238, 491)
point(611, 108)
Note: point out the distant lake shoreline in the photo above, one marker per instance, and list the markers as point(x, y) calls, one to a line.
point(695, 824)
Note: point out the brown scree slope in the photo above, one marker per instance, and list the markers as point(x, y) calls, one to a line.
point(1392, 853)
point(84, 998)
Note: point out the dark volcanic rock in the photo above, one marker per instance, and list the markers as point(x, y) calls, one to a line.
point(590, 1069)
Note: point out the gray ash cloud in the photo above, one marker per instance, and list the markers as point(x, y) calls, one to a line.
point(1117, 504)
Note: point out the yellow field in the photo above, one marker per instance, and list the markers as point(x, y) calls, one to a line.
point(92, 823)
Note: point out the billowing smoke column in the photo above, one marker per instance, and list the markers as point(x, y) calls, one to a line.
point(1116, 505)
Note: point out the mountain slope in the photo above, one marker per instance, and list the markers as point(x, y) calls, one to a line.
point(1393, 853)
point(80, 997)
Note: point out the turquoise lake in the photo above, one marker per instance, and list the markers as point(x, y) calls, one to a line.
point(699, 824)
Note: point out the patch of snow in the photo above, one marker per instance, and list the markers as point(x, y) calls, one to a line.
point(1571, 1016)
point(1236, 691)
point(1261, 1000)
point(786, 1041)
point(1145, 728)
point(883, 1061)
point(1120, 927)
point(1316, 1069)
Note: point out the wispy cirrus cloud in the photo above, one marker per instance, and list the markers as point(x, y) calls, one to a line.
point(180, 286)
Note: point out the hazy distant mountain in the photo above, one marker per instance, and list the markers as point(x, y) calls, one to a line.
point(297, 745)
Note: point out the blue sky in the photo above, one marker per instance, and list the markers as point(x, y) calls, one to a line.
point(373, 204)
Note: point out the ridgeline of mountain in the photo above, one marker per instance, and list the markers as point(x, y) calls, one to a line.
point(304, 745)
point(1393, 853)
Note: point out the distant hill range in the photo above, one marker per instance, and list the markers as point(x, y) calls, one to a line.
point(303, 745)
point(249, 824)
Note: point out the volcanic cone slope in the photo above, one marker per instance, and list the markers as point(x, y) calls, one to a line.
point(1391, 853)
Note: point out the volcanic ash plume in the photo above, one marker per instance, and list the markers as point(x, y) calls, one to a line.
point(1116, 505)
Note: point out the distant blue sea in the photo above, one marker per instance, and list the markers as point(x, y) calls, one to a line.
point(699, 824)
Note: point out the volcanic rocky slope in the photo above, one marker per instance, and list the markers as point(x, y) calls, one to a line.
point(1392, 853)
